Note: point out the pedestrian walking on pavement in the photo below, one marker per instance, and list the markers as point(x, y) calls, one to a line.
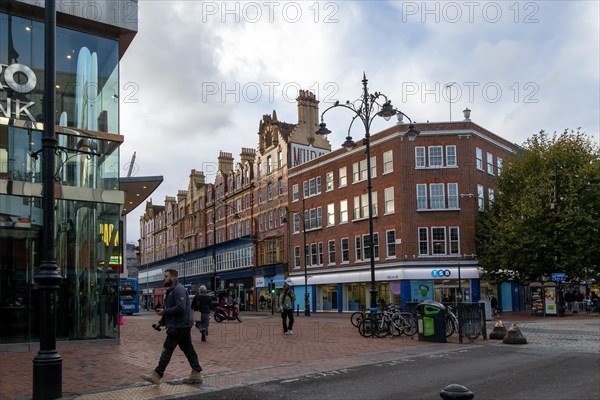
point(176, 316)
point(287, 299)
point(202, 304)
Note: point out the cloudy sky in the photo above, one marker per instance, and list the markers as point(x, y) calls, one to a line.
point(199, 75)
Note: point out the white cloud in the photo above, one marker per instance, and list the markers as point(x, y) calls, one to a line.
point(542, 56)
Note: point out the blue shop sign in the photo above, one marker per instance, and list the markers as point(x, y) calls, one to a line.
point(440, 273)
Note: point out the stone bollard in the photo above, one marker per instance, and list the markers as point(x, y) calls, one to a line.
point(499, 331)
point(456, 392)
point(514, 336)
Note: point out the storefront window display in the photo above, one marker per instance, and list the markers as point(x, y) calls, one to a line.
point(328, 298)
point(356, 296)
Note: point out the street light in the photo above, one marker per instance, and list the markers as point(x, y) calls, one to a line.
point(366, 108)
point(214, 247)
point(47, 364)
point(306, 294)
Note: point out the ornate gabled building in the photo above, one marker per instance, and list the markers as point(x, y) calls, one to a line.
point(232, 233)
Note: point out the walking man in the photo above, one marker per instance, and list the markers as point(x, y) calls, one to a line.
point(177, 318)
point(202, 303)
point(287, 299)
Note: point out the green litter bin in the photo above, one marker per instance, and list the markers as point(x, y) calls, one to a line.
point(431, 318)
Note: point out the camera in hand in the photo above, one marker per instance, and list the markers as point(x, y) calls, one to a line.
point(157, 326)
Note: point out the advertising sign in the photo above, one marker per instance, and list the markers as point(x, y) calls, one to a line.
point(421, 290)
point(550, 300)
point(537, 301)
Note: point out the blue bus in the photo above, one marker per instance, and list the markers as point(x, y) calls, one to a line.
point(129, 296)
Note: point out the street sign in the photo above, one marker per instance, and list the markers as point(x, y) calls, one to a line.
point(559, 276)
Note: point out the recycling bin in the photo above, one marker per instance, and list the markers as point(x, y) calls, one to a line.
point(431, 319)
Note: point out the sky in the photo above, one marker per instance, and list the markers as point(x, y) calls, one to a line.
point(199, 75)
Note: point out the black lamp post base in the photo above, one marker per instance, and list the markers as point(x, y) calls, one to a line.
point(47, 376)
point(373, 292)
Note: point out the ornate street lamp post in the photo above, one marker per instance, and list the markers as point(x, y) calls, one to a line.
point(47, 364)
point(366, 108)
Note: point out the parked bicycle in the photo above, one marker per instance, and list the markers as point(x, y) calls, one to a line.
point(471, 328)
point(388, 321)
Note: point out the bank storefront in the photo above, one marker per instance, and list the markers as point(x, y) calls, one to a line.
point(89, 202)
point(350, 290)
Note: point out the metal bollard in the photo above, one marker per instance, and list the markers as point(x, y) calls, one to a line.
point(297, 310)
point(456, 392)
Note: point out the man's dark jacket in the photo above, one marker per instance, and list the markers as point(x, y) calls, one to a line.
point(178, 313)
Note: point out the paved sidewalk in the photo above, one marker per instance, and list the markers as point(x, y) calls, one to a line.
point(234, 354)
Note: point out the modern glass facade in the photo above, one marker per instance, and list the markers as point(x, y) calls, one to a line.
point(89, 203)
point(87, 75)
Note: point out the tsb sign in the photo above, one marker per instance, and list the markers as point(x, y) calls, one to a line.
point(440, 273)
point(9, 72)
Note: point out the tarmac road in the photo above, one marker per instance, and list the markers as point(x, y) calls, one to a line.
point(490, 372)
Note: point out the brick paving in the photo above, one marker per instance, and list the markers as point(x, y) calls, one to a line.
point(234, 354)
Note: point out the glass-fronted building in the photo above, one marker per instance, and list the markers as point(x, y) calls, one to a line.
point(89, 197)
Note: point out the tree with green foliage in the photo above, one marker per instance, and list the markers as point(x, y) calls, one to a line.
point(545, 217)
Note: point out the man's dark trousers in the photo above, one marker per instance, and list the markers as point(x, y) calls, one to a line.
point(183, 338)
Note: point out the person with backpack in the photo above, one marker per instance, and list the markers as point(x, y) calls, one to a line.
point(286, 300)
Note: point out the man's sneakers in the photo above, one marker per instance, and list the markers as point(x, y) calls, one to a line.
point(288, 333)
point(195, 377)
point(154, 377)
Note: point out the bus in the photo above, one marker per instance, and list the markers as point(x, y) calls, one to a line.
point(129, 296)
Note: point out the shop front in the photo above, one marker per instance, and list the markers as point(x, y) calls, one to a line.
point(237, 286)
point(350, 291)
point(263, 285)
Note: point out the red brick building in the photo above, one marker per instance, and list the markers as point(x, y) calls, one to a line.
point(426, 196)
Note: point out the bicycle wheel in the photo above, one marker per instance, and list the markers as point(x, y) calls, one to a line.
point(383, 328)
point(410, 325)
point(356, 317)
point(366, 327)
point(472, 329)
point(396, 328)
point(450, 328)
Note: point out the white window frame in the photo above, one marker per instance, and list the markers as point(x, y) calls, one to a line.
point(343, 211)
point(388, 162)
point(499, 165)
point(435, 157)
point(295, 192)
point(452, 195)
point(390, 243)
point(330, 214)
point(388, 199)
point(437, 201)
point(434, 241)
point(420, 158)
point(454, 230)
point(421, 196)
point(269, 166)
point(451, 160)
point(422, 241)
point(344, 251)
point(480, 199)
point(297, 257)
point(343, 178)
point(490, 163)
point(331, 252)
point(329, 181)
point(479, 158)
